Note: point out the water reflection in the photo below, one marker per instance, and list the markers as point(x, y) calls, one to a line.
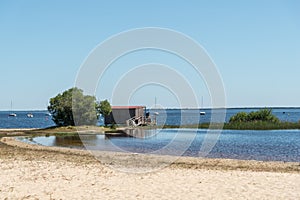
point(67, 141)
point(134, 132)
point(280, 145)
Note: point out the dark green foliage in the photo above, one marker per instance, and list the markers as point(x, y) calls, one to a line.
point(84, 108)
point(263, 115)
point(239, 117)
point(104, 108)
point(259, 120)
point(72, 107)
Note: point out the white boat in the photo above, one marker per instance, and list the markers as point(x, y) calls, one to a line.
point(202, 112)
point(30, 115)
point(12, 114)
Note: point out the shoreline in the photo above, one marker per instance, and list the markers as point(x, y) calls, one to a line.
point(38, 172)
point(243, 126)
point(128, 160)
point(52, 130)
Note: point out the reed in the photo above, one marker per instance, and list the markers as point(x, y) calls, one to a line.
point(254, 125)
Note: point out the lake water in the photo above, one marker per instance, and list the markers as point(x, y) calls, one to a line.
point(281, 145)
point(274, 145)
point(168, 116)
point(40, 119)
point(191, 116)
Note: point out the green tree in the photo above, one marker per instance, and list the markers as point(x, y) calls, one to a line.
point(104, 108)
point(72, 107)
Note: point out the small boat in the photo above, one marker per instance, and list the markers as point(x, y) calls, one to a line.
point(30, 115)
point(202, 113)
point(12, 115)
point(155, 113)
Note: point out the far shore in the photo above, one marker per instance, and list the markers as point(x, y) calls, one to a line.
point(256, 125)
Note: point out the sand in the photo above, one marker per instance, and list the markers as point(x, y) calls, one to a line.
point(34, 172)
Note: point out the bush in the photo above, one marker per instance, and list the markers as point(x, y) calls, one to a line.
point(264, 115)
point(239, 117)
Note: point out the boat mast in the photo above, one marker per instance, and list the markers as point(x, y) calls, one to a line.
point(202, 112)
point(11, 106)
point(12, 114)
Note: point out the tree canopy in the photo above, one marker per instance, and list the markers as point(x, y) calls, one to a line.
point(72, 107)
point(104, 108)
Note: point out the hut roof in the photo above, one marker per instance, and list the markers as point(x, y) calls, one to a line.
point(127, 107)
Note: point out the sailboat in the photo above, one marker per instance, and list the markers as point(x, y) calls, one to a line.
point(12, 114)
point(202, 112)
point(155, 113)
point(30, 115)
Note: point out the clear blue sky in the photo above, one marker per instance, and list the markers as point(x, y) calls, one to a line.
point(255, 45)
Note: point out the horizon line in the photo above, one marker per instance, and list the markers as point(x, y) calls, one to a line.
point(205, 108)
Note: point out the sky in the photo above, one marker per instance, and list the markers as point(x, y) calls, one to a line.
point(255, 46)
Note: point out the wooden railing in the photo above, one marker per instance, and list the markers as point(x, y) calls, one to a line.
point(141, 120)
point(135, 121)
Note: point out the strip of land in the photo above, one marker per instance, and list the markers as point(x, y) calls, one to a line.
point(36, 172)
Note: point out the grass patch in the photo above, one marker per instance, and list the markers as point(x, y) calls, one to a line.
point(65, 134)
point(261, 125)
point(65, 131)
point(254, 125)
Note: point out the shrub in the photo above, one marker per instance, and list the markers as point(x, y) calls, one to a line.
point(264, 115)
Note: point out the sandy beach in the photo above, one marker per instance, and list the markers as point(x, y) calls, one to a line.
point(35, 172)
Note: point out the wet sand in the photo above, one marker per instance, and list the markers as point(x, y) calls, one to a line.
point(35, 172)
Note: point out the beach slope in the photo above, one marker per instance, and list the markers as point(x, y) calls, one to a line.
point(28, 173)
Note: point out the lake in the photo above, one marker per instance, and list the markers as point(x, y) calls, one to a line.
point(166, 116)
point(273, 145)
point(40, 119)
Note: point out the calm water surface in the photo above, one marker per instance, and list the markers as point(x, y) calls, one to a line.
point(283, 145)
point(279, 145)
point(40, 119)
point(191, 116)
point(167, 116)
